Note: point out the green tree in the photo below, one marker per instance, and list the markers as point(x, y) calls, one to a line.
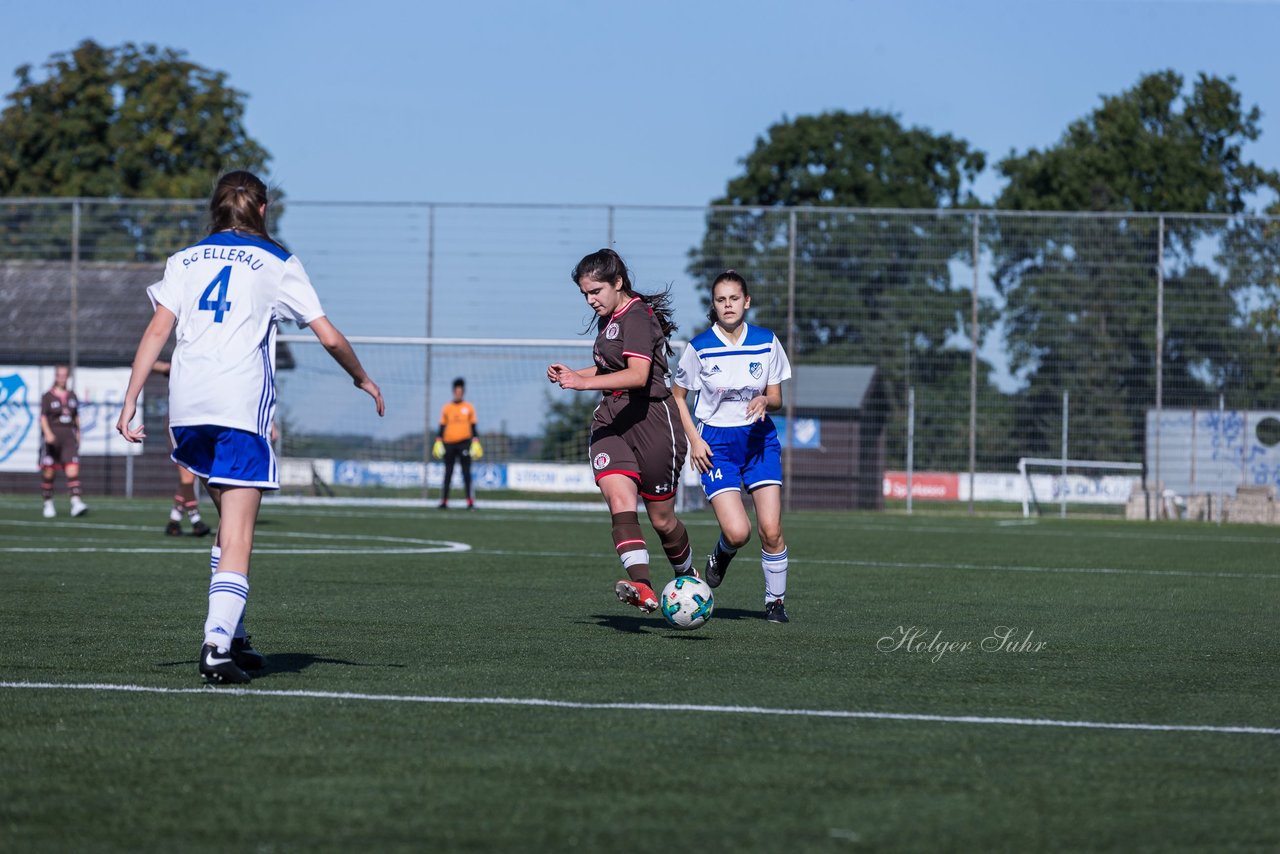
point(872, 286)
point(127, 122)
point(565, 431)
point(1080, 293)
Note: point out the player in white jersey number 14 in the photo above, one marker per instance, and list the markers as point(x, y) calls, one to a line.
point(223, 298)
point(737, 371)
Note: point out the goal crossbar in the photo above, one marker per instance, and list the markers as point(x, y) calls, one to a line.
point(1028, 493)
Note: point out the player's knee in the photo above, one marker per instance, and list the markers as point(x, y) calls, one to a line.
point(771, 540)
point(46, 474)
point(737, 536)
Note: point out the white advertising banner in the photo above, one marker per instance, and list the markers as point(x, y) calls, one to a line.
point(101, 392)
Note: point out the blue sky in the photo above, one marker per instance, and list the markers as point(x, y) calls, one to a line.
point(648, 103)
point(655, 102)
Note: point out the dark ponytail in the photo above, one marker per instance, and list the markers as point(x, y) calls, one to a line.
point(607, 266)
point(237, 203)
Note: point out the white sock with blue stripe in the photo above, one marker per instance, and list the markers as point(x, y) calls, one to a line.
point(215, 557)
point(228, 591)
point(775, 574)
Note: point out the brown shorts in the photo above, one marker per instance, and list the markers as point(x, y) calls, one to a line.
point(642, 439)
point(65, 451)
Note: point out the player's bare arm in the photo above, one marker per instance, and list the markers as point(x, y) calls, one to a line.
point(554, 371)
point(46, 430)
point(153, 341)
point(700, 452)
point(634, 375)
point(340, 349)
point(770, 401)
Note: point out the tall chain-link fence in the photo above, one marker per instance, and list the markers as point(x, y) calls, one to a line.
point(980, 338)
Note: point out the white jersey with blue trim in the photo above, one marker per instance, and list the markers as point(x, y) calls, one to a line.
point(728, 375)
point(228, 292)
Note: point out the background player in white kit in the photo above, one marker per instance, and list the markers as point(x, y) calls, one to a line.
point(224, 297)
point(737, 371)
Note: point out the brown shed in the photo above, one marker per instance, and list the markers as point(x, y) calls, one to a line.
point(36, 299)
point(838, 438)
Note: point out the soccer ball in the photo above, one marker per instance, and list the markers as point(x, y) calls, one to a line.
point(687, 602)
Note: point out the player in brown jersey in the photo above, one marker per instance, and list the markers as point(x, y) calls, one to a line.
point(637, 444)
point(60, 430)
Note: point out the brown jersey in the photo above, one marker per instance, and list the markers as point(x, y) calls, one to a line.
point(633, 331)
point(636, 432)
point(62, 413)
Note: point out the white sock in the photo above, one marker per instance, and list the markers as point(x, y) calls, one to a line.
point(775, 574)
point(228, 592)
point(175, 515)
point(215, 557)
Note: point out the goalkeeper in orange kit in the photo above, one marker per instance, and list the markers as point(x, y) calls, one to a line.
point(457, 441)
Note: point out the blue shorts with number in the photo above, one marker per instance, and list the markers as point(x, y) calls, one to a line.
point(226, 456)
point(750, 456)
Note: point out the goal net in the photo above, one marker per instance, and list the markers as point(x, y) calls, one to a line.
point(1057, 484)
point(333, 444)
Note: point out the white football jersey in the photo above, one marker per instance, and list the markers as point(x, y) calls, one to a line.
point(727, 376)
point(228, 292)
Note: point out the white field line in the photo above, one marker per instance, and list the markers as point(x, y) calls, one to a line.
point(978, 567)
point(418, 546)
point(639, 707)
point(401, 545)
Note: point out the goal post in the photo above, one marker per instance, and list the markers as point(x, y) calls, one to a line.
point(1074, 481)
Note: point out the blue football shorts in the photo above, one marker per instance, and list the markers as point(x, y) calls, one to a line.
point(750, 456)
point(226, 456)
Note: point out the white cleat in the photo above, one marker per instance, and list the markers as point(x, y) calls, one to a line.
point(48, 511)
point(78, 507)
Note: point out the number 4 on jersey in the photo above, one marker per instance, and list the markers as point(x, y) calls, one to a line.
point(218, 304)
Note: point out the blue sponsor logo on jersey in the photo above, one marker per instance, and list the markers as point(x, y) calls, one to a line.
point(756, 369)
point(15, 415)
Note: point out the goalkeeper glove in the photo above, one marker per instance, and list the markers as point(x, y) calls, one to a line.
point(437, 450)
point(476, 451)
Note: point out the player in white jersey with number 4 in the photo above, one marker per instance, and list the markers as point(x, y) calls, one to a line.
point(737, 371)
point(224, 297)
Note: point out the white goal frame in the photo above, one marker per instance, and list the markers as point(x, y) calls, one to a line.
point(1029, 495)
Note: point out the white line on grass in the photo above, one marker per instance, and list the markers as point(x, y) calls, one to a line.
point(987, 567)
point(640, 707)
point(403, 545)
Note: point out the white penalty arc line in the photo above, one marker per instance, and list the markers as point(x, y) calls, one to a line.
point(642, 707)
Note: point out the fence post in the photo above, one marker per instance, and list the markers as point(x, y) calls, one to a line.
point(610, 235)
point(791, 386)
point(1159, 354)
point(911, 444)
point(73, 356)
point(1066, 409)
point(973, 366)
point(426, 388)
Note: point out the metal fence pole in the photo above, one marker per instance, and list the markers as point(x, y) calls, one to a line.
point(426, 389)
point(973, 367)
point(1062, 492)
point(610, 235)
point(73, 325)
point(1159, 351)
point(911, 444)
point(791, 386)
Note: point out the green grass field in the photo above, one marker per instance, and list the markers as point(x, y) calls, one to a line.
point(377, 723)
